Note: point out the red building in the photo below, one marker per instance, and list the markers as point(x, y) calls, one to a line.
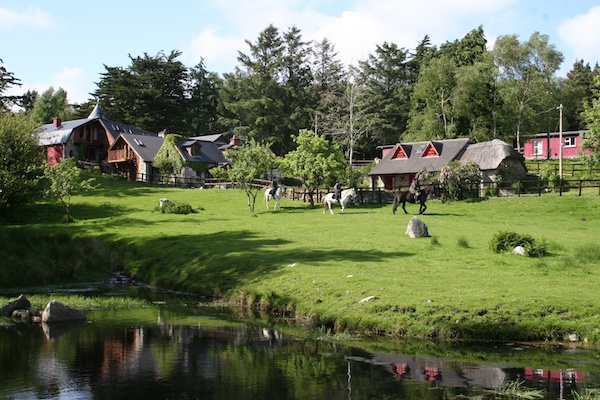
point(547, 145)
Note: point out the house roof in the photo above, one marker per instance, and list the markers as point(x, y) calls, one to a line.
point(413, 157)
point(556, 134)
point(50, 135)
point(489, 155)
point(209, 153)
point(145, 146)
point(217, 137)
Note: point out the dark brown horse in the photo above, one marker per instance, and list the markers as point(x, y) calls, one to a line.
point(404, 197)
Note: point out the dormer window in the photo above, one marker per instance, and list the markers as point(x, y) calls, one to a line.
point(399, 153)
point(430, 151)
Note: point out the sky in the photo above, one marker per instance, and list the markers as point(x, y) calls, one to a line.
point(67, 44)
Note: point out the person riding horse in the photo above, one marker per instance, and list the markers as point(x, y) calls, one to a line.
point(273, 187)
point(337, 191)
point(414, 189)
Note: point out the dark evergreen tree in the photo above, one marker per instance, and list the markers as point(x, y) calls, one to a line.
point(7, 79)
point(387, 78)
point(149, 94)
point(204, 105)
point(328, 86)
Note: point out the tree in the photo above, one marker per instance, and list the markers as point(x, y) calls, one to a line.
point(204, 109)
point(328, 86)
point(432, 115)
point(150, 94)
point(314, 160)
point(591, 139)
point(454, 177)
point(51, 104)
point(525, 79)
point(355, 121)
point(64, 180)
point(249, 162)
point(7, 79)
point(21, 161)
point(168, 159)
point(387, 78)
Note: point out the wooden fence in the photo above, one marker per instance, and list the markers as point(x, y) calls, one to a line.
point(537, 187)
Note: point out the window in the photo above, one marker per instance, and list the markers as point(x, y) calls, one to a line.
point(538, 148)
point(570, 141)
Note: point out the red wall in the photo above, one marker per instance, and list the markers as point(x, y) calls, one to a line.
point(54, 154)
point(568, 152)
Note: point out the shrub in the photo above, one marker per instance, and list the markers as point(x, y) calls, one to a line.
point(172, 207)
point(506, 241)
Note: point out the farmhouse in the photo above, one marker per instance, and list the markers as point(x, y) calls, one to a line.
point(547, 145)
point(127, 150)
point(402, 161)
point(85, 139)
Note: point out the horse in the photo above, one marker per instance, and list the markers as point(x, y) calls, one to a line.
point(277, 196)
point(348, 194)
point(404, 197)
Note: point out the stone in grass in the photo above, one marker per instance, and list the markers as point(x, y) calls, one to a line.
point(20, 303)
point(416, 228)
point(520, 250)
point(57, 312)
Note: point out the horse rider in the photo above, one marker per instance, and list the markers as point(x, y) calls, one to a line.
point(273, 187)
point(414, 189)
point(337, 191)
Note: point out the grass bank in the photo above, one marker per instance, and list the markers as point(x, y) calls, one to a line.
point(320, 267)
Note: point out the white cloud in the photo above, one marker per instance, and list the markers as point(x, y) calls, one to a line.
point(32, 17)
point(581, 34)
point(219, 52)
point(72, 80)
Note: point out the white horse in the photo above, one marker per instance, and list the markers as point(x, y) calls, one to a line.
point(348, 194)
point(277, 196)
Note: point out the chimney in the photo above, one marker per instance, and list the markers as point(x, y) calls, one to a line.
point(56, 122)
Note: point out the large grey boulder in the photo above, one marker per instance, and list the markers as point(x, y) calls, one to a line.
point(416, 228)
point(20, 303)
point(58, 312)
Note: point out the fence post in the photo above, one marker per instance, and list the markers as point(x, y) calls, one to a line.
point(518, 188)
point(580, 187)
point(560, 189)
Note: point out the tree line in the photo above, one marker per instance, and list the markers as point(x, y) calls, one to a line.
point(283, 84)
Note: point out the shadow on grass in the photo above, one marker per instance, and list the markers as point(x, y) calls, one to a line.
point(221, 261)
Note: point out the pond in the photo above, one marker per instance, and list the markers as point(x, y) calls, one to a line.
point(193, 352)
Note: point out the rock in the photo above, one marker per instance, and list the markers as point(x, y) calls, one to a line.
point(19, 304)
point(21, 315)
point(162, 203)
point(520, 250)
point(366, 299)
point(416, 228)
point(58, 312)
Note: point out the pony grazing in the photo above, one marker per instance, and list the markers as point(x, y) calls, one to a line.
point(347, 195)
point(277, 196)
point(404, 197)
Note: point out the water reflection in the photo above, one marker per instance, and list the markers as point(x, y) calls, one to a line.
point(158, 353)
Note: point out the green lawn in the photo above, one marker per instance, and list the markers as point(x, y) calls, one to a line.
point(448, 286)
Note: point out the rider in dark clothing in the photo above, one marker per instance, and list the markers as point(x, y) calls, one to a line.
point(274, 187)
point(337, 192)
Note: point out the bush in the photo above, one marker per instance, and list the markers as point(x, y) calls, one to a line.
point(506, 241)
point(172, 207)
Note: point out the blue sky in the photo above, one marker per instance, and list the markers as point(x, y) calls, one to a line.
point(66, 44)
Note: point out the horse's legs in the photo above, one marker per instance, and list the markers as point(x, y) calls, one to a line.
point(422, 208)
point(395, 204)
point(404, 208)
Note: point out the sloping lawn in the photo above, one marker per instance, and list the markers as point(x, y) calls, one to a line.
point(320, 266)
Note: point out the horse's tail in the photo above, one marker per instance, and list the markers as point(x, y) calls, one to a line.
point(324, 205)
point(396, 202)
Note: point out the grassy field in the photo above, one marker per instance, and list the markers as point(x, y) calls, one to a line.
point(320, 267)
